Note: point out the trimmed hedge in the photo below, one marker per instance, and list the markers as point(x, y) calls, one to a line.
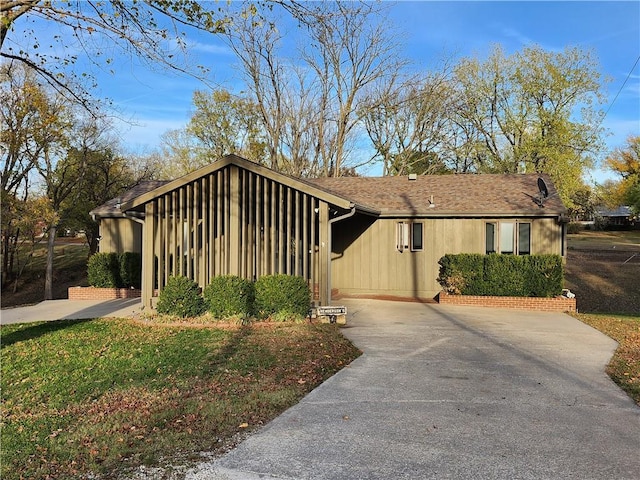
point(103, 270)
point(502, 275)
point(181, 297)
point(284, 295)
point(110, 270)
point(229, 296)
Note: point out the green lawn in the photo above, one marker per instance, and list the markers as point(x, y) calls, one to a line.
point(624, 367)
point(100, 396)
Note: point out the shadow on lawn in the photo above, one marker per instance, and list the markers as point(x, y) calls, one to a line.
point(31, 331)
point(231, 347)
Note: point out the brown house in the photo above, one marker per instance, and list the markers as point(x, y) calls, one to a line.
point(356, 235)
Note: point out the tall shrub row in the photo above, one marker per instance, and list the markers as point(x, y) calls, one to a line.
point(502, 275)
point(279, 297)
point(112, 270)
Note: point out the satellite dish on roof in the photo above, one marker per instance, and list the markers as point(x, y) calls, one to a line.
point(543, 193)
point(542, 187)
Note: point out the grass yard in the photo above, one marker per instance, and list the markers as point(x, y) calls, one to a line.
point(605, 240)
point(100, 397)
point(624, 368)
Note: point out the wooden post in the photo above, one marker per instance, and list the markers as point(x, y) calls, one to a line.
point(325, 254)
point(148, 255)
point(234, 222)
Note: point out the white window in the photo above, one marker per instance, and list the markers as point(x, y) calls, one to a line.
point(402, 236)
point(409, 236)
point(508, 237)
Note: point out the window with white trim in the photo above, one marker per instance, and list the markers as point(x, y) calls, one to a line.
point(410, 235)
point(510, 237)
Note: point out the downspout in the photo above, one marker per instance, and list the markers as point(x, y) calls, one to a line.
point(351, 213)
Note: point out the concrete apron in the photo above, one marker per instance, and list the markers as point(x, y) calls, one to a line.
point(453, 392)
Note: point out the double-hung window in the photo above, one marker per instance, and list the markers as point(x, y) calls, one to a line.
point(509, 237)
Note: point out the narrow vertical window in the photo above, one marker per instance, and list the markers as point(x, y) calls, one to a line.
point(524, 238)
point(490, 237)
point(417, 239)
point(402, 236)
point(507, 237)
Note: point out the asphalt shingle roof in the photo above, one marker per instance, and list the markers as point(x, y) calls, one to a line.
point(110, 208)
point(459, 194)
point(450, 195)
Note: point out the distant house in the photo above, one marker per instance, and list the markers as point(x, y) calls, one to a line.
point(621, 217)
point(358, 236)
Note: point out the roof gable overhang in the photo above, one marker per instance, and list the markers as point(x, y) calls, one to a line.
point(296, 183)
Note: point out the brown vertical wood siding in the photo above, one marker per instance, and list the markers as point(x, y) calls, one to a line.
point(232, 221)
point(365, 260)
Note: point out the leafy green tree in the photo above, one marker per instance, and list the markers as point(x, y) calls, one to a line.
point(224, 123)
point(533, 111)
point(585, 201)
point(104, 175)
point(33, 133)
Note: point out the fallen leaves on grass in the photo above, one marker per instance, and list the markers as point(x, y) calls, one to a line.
point(123, 393)
point(624, 367)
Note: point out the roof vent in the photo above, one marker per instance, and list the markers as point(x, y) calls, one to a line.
point(413, 176)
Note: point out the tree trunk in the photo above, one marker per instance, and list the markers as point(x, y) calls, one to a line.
point(48, 278)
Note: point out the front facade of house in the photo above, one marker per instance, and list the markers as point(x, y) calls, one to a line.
point(361, 236)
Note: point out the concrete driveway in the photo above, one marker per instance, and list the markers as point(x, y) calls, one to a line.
point(453, 393)
point(71, 309)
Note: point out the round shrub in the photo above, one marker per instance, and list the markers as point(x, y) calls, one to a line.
point(181, 297)
point(229, 296)
point(103, 270)
point(283, 295)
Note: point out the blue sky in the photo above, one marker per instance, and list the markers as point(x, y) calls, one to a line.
point(158, 101)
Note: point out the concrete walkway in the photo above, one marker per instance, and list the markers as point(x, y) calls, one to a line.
point(71, 309)
point(453, 393)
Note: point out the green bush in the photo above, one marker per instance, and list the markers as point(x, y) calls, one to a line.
point(502, 275)
point(103, 270)
point(181, 297)
point(229, 296)
point(131, 269)
point(284, 295)
point(548, 278)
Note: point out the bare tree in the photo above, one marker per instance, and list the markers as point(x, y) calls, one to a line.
point(312, 107)
point(409, 125)
point(351, 53)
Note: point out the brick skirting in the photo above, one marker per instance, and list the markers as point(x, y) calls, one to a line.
point(557, 304)
point(94, 293)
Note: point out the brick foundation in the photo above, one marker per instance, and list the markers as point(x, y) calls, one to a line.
point(93, 293)
point(557, 304)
